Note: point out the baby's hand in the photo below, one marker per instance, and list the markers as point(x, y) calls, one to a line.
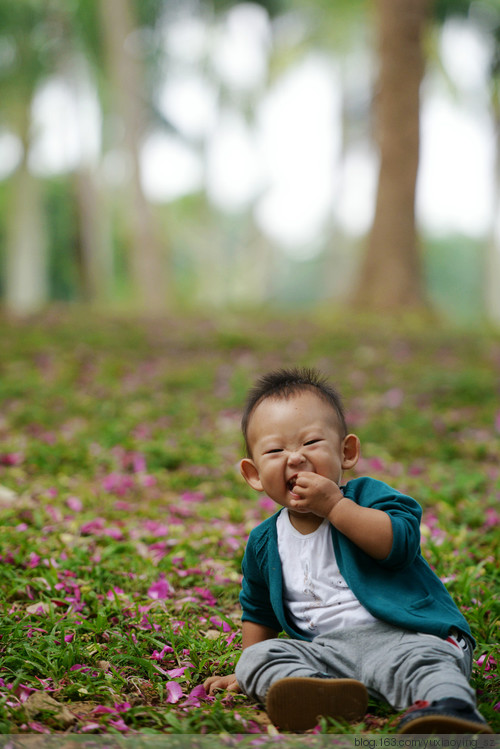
point(316, 494)
point(219, 683)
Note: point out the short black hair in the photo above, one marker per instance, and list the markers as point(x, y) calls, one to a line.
point(283, 383)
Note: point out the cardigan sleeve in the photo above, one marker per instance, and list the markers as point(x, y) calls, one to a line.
point(405, 514)
point(255, 595)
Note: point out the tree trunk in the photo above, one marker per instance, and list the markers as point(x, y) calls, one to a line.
point(492, 281)
point(147, 258)
point(26, 274)
point(95, 249)
point(391, 276)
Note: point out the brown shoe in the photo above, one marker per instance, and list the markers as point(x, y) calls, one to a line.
point(295, 703)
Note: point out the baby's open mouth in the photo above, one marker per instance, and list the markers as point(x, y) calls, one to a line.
point(291, 483)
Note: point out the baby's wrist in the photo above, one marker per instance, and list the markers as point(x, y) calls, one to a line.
point(336, 510)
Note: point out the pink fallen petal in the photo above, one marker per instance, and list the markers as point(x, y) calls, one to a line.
point(117, 483)
point(158, 656)
point(176, 672)
point(174, 692)
point(114, 533)
point(115, 591)
point(195, 697)
point(492, 518)
point(38, 727)
point(74, 504)
point(155, 528)
point(138, 463)
point(23, 692)
point(267, 504)
point(206, 594)
point(120, 504)
point(159, 669)
point(87, 727)
point(11, 459)
point(33, 560)
point(160, 590)
point(192, 497)
point(490, 662)
point(219, 623)
point(122, 707)
point(119, 724)
point(93, 526)
point(69, 638)
point(103, 710)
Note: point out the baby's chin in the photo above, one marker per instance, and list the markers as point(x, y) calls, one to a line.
point(302, 513)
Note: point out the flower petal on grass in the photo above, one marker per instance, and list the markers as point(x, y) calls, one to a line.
point(195, 697)
point(103, 710)
point(119, 724)
point(74, 504)
point(158, 656)
point(219, 623)
point(174, 692)
point(160, 589)
point(114, 591)
point(38, 727)
point(87, 727)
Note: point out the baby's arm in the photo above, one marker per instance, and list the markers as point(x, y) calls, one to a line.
point(367, 527)
point(252, 633)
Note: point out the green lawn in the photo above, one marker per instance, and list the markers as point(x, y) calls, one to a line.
point(124, 519)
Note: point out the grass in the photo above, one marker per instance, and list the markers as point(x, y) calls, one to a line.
point(124, 518)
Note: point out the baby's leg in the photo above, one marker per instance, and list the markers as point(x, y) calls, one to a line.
point(297, 684)
point(404, 667)
point(262, 664)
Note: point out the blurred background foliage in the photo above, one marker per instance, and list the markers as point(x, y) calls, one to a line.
point(161, 155)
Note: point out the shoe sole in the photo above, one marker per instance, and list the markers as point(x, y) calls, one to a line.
point(445, 724)
point(296, 703)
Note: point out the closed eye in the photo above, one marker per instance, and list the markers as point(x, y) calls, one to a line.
point(274, 450)
point(311, 442)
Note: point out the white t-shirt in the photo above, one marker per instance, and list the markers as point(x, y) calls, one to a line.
point(316, 596)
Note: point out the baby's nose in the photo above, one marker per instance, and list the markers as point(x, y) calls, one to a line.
point(295, 457)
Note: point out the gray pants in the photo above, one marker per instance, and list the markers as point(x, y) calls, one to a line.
point(394, 664)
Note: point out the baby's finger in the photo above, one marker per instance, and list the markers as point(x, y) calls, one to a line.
point(301, 505)
point(305, 476)
point(301, 482)
point(299, 491)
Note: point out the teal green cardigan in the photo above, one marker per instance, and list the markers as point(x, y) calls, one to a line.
point(401, 589)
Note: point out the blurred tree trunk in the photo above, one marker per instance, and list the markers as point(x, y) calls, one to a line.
point(390, 276)
point(26, 276)
point(94, 239)
point(94, 250)
point(147, 259)
point(492, 281)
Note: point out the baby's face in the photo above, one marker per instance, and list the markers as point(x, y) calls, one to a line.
point(288, 436)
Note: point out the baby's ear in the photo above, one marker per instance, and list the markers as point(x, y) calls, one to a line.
point(250, 474)
point(350, 451)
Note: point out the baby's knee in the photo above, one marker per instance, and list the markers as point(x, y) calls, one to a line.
point(254, 656)
point(253, 669)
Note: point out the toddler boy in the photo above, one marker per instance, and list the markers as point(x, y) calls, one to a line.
point(339, 570)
